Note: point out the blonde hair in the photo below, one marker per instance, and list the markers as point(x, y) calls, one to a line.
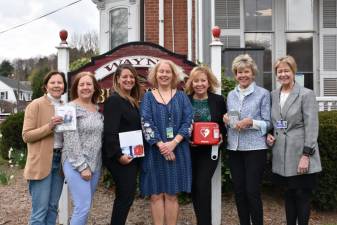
point(134, 97)
point(212, 80)
point(152, 77)
point(289, 60)
point(74, 87)
point(244, 61)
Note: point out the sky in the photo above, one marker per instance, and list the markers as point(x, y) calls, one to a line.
point(39, 38)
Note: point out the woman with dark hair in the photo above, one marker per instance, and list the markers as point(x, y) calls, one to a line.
point(207, 107)
point(81, 153)
point(121, 114)
point(44, 146)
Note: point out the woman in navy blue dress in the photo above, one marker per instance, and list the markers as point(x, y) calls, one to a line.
point(166, 115)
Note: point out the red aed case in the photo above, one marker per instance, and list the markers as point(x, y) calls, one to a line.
point(206, 133)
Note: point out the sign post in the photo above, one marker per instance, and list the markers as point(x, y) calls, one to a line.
point(63, 66)
point(216, 47)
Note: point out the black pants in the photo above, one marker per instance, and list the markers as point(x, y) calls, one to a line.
point(297, 204)
point(247, 170)
point(125, 178)
point(203, 168)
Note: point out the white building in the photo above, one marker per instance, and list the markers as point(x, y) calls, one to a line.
point(305, 29)
point(15, 92)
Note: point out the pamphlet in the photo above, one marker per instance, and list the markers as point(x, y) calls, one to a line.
point(131, 143)
point(68, 113)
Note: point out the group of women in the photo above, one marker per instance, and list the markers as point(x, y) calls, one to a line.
point(251, 120)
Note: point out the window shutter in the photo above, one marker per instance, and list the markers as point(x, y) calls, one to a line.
point(329, 14)
point(230, 41)
point(330, 87)
point(330, 52)
point(227, 14)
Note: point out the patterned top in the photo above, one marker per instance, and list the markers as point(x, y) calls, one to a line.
point(82, 147)
point(254, 105)
point(201, 110)
point(159, 175)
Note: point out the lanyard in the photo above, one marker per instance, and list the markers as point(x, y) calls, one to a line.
point(167, 106)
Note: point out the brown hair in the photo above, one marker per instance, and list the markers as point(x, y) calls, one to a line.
point(289, 60)
point(212, 80)
point(97, 90)
point(134, 96)
point(244, 61)
point(47, 78)
point(152, 77)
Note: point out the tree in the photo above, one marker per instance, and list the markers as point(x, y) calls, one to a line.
point(36, 78)
point(6, 68)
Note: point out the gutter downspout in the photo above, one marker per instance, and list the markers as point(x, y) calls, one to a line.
point(200, 31)
point(161, 22)
point(189, 30)
point(172, 16)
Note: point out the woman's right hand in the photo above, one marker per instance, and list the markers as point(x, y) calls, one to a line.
point(55, 120)
point(125, 159)
point(226, 119)
point(270, 140)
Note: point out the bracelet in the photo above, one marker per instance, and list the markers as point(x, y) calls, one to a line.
point(175, 140)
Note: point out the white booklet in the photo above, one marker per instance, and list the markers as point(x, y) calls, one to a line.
point(131, 143)
point(68, 113)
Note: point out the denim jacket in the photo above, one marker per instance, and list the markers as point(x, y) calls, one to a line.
point(255, 105)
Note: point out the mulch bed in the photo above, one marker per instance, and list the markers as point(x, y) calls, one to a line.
point(15, 208)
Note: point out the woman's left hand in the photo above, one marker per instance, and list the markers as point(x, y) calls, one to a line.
point(245, 123)
point(303, 165)
point(86, 174)
point(167, 147)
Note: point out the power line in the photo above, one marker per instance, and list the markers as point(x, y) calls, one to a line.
point(40, 17)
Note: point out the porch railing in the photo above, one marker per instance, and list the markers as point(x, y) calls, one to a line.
point(327, 103)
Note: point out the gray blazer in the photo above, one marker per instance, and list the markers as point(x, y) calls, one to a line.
point(301, 113)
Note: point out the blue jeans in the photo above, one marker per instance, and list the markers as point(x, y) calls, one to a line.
point(46, 194)
point(82, 193)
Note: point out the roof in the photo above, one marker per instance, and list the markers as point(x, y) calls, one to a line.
point(14, 83)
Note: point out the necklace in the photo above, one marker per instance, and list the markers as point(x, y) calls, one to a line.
point(162, 96)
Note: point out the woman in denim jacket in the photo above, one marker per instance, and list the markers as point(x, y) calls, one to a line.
point(247, 120)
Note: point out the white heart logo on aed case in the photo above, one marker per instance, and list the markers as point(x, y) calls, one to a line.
point(204, 132)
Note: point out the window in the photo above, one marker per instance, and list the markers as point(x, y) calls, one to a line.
point(300, 46)
point(300, 16)
point(3, 95)
point(227, 14)
point(258, 15)
point(118, 26)
point(329, 14)
point(262, 40)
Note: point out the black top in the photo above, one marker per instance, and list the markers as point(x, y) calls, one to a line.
point(217, 108)
point(119, 116)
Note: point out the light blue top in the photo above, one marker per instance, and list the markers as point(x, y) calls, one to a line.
point(252, 102)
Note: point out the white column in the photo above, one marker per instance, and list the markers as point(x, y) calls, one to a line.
point(216, 48)
point(189, 30)
point(161, 22)
point(200, 31)
point(63, 66)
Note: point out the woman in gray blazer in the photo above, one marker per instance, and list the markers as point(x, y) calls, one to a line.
point(296, 158)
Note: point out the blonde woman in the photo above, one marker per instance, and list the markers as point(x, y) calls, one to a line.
point(296, 159)
point(248, 121)
point(166, 119)
point(207, 107)
point(121, 114)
